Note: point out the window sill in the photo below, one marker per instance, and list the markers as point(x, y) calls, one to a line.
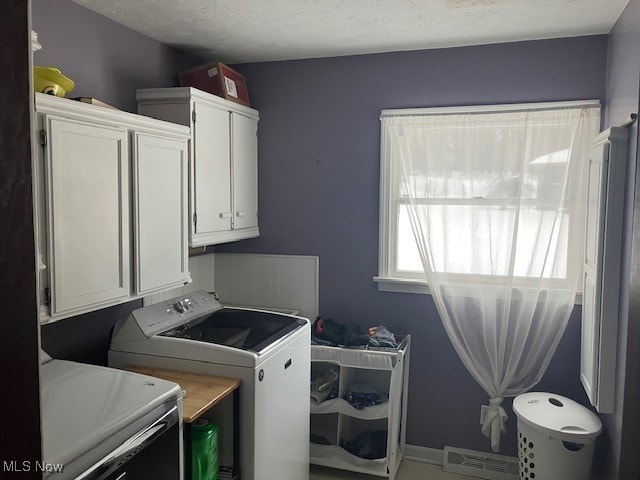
point(404, 285)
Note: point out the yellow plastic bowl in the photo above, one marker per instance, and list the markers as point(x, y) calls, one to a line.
point(51, 81)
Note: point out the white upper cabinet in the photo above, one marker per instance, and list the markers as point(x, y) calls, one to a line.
point(244, 137)
point(160, 212)
point(87, 213)
point(606, 173)
point(111, 206)
point(212, 153)
point(224, 161)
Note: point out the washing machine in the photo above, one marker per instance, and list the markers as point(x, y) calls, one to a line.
point(270, 352)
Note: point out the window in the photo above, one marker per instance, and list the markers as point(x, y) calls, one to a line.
point(483, 169)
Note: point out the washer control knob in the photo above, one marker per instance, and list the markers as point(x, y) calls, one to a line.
point(181, 306)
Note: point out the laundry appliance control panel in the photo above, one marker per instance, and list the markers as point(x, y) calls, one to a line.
point(170, 313)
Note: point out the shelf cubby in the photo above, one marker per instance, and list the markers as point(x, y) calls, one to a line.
point(386, 370)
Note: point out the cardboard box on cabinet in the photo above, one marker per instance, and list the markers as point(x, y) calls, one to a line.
point(218, 79)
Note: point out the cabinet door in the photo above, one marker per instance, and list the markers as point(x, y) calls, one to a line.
point(160, 212)
point(596, 179)
point(212, 170)
point(245, 171)
point(607, 166)
point(87, 175)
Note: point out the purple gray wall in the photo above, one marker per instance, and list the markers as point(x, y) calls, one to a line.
point(319, 137)
point(617, 449)
point(105, 59)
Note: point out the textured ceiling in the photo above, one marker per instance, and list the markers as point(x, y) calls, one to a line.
point(238, 31)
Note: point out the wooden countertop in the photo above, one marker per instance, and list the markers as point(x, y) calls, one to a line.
point(203, 391)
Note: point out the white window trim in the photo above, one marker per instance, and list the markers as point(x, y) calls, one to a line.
point(385, 280)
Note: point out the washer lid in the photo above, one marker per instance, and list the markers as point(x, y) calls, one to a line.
point(556, 415)
point(251, 330)
point(84, 405)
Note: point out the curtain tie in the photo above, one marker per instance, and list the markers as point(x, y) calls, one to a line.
point(494, 422)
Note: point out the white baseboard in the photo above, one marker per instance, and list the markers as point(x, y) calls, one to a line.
point(416, 453)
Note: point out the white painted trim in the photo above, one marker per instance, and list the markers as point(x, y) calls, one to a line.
point(401, 285)
point(186, 94)
point(386, 233)
point(416, 453)
point(490, 108)
point(81, 111)
point(210, 238)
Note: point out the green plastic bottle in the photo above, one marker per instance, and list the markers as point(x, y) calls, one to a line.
point(204, 450)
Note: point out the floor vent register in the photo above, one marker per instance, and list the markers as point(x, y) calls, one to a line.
point(480, 464)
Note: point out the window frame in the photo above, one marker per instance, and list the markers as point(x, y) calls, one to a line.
point(390, 280)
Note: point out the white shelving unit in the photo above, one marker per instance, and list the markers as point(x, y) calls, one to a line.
point(338, 422)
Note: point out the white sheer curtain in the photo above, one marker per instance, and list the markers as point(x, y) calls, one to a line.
point(494, 201)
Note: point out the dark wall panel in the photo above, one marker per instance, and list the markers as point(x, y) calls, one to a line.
point(84, 338)
point(19, 354)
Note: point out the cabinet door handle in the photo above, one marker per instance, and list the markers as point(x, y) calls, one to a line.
point(225, 214)
point(240, 213)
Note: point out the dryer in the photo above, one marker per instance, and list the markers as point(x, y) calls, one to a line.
point(270, 352)
point(104, 424)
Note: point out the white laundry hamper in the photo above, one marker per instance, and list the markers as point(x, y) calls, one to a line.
point(556, 437)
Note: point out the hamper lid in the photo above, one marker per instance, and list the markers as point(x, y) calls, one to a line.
point(557, 416)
